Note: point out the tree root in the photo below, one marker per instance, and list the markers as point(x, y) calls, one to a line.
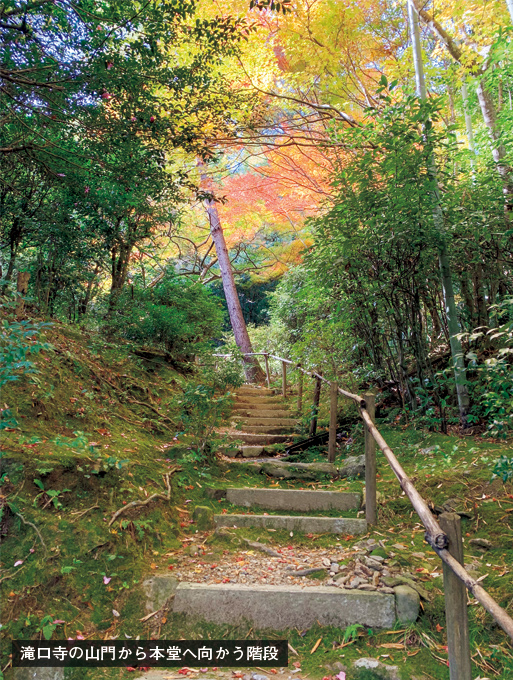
point(83, 512)
point(136, 504)
point(5, 578)
point(30, 524)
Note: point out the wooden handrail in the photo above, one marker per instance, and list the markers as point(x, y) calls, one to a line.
point(434, 535)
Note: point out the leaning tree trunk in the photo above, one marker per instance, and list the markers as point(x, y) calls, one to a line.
point(253, 371)
point(443, 255)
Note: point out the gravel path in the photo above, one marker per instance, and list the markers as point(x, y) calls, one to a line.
point(352, 567)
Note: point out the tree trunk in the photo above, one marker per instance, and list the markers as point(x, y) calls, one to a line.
point(443, 256)
point(468, 124)
point(22, 290)
point(498, 150)
point(416, 9)
point(83, 304)
point(253, 371)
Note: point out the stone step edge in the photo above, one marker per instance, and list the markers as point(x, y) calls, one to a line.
point(284, 607)
point(301, 523)
point(295, 500)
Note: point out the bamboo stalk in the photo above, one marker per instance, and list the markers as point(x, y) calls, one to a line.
point(503, 619)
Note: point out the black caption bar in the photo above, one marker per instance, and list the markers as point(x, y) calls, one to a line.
point(149, 653)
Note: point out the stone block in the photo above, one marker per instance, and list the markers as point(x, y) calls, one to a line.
point(158, 590)
point(204, 517)
point(308, 525)
point(294, 500)
point(284, 607)
point(407, 604)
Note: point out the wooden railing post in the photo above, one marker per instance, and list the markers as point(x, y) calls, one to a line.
point(300, 390)
point(268, 375)
point(332, 445)
point(371, 514)
point(284, 378)
point(315, 406)
point(455, 594)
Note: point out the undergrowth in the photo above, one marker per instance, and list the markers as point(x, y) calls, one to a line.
point(98, 427)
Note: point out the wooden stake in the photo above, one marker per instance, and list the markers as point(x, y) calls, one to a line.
point(315, 407)
point(268, 375)
point(371, 514)
point(300, 390)
point(284, 378)
point(455, 593)
point(332, 445)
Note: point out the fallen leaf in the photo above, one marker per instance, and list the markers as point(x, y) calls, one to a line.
point(315, 647)
point(439, 628)
point(392, 645)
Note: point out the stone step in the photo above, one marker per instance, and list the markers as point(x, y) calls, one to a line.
point(354, 466)
point(252, 451)
point(261, 413)
point(308, 525)
point(273, 422)
point(268, 429)
point(251, 406)
point(259, 439)
point(252, 399)
point(294, 500)
point(287, 607)
point(255, 391)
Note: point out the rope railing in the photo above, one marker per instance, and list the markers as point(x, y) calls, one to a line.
point(448, 547)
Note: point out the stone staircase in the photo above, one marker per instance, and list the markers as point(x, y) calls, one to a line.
point(294, 500)
point(361, 598)
point(286, 606)
point(263, 417)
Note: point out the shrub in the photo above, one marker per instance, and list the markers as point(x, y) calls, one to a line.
point(176, 315)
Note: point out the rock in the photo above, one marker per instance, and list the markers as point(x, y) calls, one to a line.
point(204, 517)
point(367, 586)
point(375, 566)
point(407, 604)
point(193, 550)
point(231, 452)
point(338, 667)
point(481, 543)
point(258, 676)
point(384, 589)
point(393, 581)
point(37, 674)
point(375, 578)
point(158, 590)
point(216, 494)
point(341, 579)
point(389, 672)
point(355, 582)
point(334, 567)
point(378, 555)
point(354, 466)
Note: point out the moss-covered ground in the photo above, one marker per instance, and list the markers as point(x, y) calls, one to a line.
point(97, 428)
